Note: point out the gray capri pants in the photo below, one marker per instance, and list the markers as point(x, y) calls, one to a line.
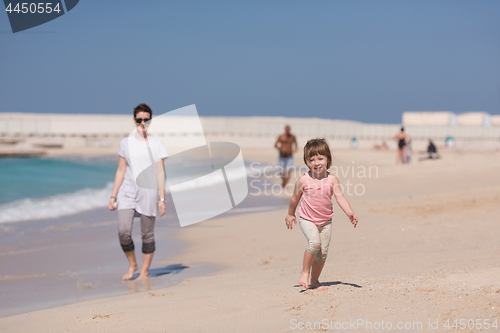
point(125, 219)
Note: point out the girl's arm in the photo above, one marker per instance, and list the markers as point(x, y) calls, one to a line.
point(160, 175)
point(342, 201)
point(120, 173)
point(294, 201)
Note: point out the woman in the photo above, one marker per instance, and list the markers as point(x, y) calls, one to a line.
point(403, 140)
point(138, 152)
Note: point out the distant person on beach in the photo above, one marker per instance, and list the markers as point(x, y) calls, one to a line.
point(136, 153)
point(287, 145)
point(409, 150)
point(432, 150)
point(316, 188)
point(402, 139)
point(382, 146)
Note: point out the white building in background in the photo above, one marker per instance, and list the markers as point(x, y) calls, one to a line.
point(449, 118)
point(470, 130)
point(474, 119)
point(495, 120)
point(438, 118)
point(473, 130)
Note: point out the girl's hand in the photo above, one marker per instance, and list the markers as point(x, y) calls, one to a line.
point(162, 207)
point(290, 219)
point(354, 219)
point(112, 204)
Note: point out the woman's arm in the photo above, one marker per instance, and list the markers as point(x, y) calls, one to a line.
point(294, 201)
point(160, 175)
point(120, 173)
point(342, 201)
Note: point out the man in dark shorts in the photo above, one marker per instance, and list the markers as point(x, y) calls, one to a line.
point(287, 145)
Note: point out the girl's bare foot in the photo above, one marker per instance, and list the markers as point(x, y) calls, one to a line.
point(318, 285)
point(130, 272)
point(304, 277)
point(143, 275)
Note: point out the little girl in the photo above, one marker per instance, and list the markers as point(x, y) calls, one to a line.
point(315, 214)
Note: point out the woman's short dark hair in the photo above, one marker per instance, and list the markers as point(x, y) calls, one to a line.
point(315, 147)
point(143, 107)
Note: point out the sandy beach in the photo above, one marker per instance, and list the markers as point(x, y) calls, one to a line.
point(424, 254)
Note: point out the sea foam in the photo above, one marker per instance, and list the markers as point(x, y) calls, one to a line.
point(55, 206)
point(70, 203)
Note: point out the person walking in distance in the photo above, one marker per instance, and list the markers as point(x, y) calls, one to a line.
point(287, 145)
point(402, 139)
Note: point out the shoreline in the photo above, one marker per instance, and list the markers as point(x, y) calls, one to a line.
point(96, 278)
point(85, 260)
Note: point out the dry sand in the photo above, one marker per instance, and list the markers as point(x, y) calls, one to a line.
point(426, 249)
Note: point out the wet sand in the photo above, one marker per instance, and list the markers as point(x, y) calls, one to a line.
point(57, 261)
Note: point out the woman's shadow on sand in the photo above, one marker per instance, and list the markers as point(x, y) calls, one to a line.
point(136, 285)
point(170, 269)
point(328, 284)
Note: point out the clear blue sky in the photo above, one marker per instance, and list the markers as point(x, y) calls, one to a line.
point(359, 60)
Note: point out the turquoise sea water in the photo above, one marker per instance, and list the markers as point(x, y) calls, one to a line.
point(45, 188)
point(34, 178)
point(34, 188)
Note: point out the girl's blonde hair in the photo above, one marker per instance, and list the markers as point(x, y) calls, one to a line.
point(315, 147)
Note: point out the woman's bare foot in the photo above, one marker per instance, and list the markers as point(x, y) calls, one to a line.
point(130, 272)
point(143, 276)
point(318, 285)
point(304, 277)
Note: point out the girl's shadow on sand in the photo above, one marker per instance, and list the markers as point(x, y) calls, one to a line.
point(155, 272)
point(333, 283)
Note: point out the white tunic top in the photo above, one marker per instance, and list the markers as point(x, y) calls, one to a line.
point(135, 152)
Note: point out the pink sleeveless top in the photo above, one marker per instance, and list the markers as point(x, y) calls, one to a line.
point(316, 205)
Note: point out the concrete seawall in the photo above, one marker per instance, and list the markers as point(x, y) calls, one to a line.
point(39, 132)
